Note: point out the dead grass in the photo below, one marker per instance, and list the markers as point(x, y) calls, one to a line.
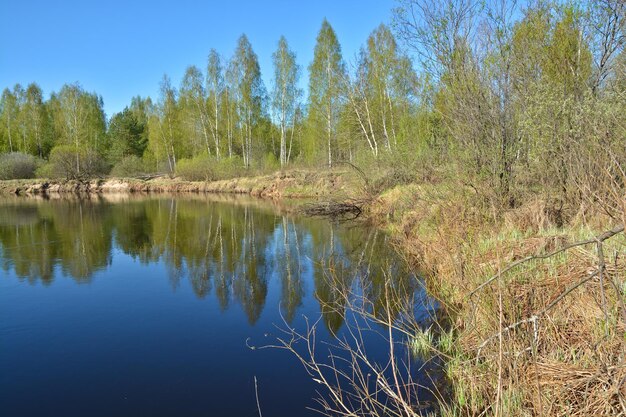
point(289, 184)
point(570, 360)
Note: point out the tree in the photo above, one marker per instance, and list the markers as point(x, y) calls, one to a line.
point(126, 135)
point(608, 37)
point(193, 104)
point(382, 86)
point(391, 78)
point(249, 92)
point(215, 89)
point(569, 60)
point(79, 120)
point(22, 118)
point(164, 128)
point(285, 94)
point(9, 110)
point(435, 29)
point(141, 108)
point(36, 114)
point(327, 74)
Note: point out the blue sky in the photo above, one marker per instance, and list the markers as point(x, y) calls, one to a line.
point(120, 49)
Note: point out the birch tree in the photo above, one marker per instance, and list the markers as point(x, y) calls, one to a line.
point(250, 93)
point(36, 114)
point(9, 111)
point(326, 75)
point(165, 128)
point(193, 100)
point(285, 94)
point(73, 118)
point(215, 88)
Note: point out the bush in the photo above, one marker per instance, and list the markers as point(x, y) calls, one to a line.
point(199, 168)
point(207, 168)
point(68, 162)
point(17, 165)
point(129, 166)
point(229, 168)
point(270, 163)
point(398, 167)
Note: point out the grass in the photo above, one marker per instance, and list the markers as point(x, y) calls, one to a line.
point(570, 361)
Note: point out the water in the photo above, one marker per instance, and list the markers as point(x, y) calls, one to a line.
point(128, 306)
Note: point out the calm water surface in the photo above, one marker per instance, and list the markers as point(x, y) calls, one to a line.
point(127, 306)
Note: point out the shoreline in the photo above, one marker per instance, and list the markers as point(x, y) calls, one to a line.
point(290, 184)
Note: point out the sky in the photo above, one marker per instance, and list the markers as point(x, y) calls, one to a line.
point(122, 48)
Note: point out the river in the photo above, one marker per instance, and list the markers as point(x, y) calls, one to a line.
point(122, 305)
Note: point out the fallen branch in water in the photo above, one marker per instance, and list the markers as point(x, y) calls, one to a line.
point(347, 210)
point(148, 177)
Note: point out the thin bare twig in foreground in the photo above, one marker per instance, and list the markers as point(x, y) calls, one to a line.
point(601, 238)
point(256, 391)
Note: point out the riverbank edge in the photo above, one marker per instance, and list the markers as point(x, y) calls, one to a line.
point(291, 184)
point(530, 340)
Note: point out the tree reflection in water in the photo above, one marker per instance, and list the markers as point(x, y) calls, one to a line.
point(226, 248)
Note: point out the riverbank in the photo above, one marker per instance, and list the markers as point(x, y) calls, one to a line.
point(292, 184)
point(546, 337)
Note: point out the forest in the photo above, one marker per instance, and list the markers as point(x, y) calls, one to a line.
point(515, 95)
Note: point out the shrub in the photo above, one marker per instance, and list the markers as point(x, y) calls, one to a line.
point(230, 168)
point(389, 169)
point(17, 165)
point(207, 168)
point(129, 166)
point(68, 162)
point(270, 163)
point(199, 168)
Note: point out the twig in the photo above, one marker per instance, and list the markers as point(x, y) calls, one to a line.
point(256, 391)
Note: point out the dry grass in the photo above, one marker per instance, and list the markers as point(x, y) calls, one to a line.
point(289, 184)
point(570, 359)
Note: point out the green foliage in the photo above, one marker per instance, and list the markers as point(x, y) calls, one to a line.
point(126, 135)
point(208, 168)
point(128, 167)
point(285, 94)
point(270, 162)
point(199, 168)
point(245, 81)
point(70, 163)
point(8, 128)
point(568, 59)
point(327, 73)
point(17, 165)
point(79, 118)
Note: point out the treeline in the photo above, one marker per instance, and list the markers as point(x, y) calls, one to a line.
point(225, 116)
point(511, 94)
